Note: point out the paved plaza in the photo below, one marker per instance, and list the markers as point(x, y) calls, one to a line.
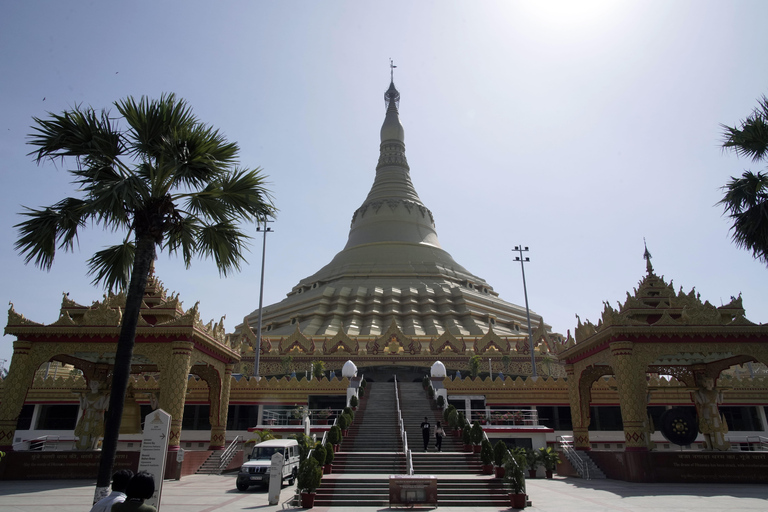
point(202, 493)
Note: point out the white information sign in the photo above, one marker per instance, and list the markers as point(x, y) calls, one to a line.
point(275, 478)
point(154, 448)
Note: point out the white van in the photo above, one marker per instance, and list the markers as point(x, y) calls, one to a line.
point(256, 470)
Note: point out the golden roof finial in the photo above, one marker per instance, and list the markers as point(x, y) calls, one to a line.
point(647, 256)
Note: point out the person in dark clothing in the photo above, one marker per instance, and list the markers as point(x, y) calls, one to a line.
point(439, 433)
point(425, 432)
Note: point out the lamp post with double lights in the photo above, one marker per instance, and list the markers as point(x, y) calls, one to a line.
point(257, 349)
point(523, 261)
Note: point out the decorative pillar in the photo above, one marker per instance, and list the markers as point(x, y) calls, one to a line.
point(17, 383)
point(579, 411)
point(173, 388)
point(218, 397)
point(633, 392)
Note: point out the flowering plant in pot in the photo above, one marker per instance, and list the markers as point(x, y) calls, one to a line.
point(499, 453)
point(515, 477)
point(309, 478)
point(486, 455)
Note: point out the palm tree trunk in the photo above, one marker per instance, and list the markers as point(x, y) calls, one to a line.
point(142, 262)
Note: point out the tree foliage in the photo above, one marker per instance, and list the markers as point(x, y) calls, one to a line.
point(160, 178)
point(746, 198)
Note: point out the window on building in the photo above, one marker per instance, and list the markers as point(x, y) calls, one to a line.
point(242, 417)
point(555, 417)
point(57, 417)
point(741, 417)
point(605, 417)
point(196, 417)
point(25, 418)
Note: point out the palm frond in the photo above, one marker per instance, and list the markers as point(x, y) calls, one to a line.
point(750, 139)
point(224, 243)
point(80, 133)
point(746, 203)
point(112, 266)
point(184, 237)
point(44, 229)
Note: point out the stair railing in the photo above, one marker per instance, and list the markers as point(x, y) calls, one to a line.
point(573, 457)
point(403, 435)
point(229, 453)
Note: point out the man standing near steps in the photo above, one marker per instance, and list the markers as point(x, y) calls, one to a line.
point(425, 432)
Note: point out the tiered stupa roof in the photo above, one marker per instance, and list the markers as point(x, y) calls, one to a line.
point(392, 268)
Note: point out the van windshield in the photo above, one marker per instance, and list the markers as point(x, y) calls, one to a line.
point(266, 453)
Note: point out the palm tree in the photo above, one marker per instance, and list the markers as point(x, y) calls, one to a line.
point(746, 198)
point(165, 181)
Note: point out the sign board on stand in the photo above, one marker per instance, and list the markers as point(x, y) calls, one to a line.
point(154, 447)
point(276, 478)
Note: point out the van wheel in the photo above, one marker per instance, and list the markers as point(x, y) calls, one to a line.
point(241, 486)
point(292, 480)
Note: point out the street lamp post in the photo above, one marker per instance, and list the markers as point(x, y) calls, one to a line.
point(523, 261)
point(257, 351)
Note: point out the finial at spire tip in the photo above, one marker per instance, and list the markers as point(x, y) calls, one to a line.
point(392, 70)
point(647, 256)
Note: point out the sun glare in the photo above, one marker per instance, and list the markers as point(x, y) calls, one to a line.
point(569, 13)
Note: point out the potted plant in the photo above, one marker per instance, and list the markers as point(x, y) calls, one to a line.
point(354, 402)
point(345, 420)
point(334, 437)
point(549, 459)
point(309, 478)
point(318, 369)
point(486, 456)
point(460, 422)
point(532, 461)
point(431, 392)
point(318, 452)
point(453, 419)
point(447, 412)
point(476, 435)
point(325, 414)
point(499, 452)
point(329, 456)
point(349, 412)
point(297, 414)
point(425, 383)
point(515, 477)
point(466, 438)
point(440, 401)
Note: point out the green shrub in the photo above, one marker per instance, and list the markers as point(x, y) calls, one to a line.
point(453, 419)
point(329, 455)
point(425, 382)
point(440, 401)
point(310, 475)
point(466, 436)
point(513, 470)
point(305, 444)
point(476, 434)
point(334, 435)
point(344, 421)
point(486, 452)
point(353, 401)
point(431, 392)
point(499, 452)
point(349, 412)
point(318, 452)
point(447, 412)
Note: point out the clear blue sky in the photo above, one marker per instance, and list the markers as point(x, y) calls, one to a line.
point(574, 130)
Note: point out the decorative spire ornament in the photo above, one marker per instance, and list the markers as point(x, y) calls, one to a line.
point(647, 256)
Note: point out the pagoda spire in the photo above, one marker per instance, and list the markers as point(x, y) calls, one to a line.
point(647, 256)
